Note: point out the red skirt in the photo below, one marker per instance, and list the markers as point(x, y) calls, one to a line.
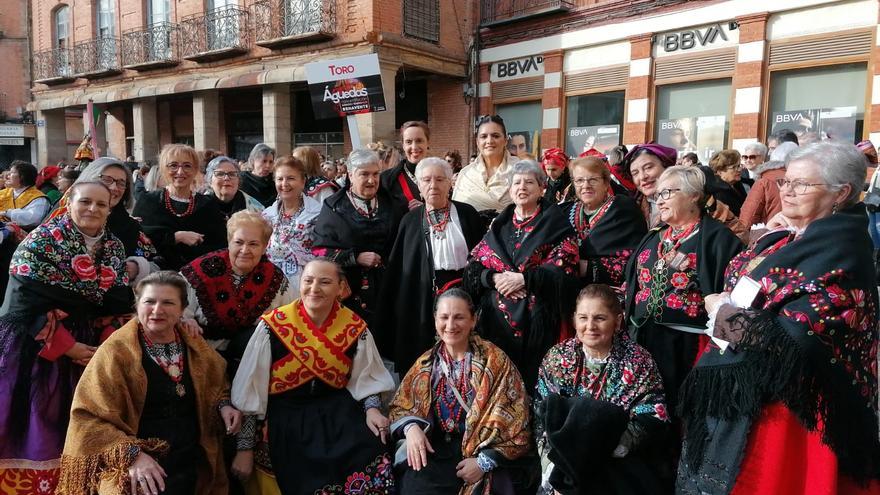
point(783, 458)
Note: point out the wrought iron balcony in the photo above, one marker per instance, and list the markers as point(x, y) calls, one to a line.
point(150, 48)
point(285, 22)
point(222, 32)
point(497, 12)
point(53, 66)
point(96, 58)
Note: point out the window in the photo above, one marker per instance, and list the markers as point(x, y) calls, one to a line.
point(593, 121)
point(693, 117)
point(160, 11)
point(421, 19)
point(106, 19)
point(223, 24)
point(61, 62)
point(819, 103)
point(524, 122)
point(303, 16)
point(159, 30)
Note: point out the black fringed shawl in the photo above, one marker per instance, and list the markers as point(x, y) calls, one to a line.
point(809, 341)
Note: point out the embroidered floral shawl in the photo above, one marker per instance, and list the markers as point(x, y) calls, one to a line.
point(809, 341)
point(629, 379)
point(55, 253)
point(499, 415)
point(229, 307)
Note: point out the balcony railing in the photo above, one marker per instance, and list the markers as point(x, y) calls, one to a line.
point(222, 32)
point(96, 58)
point(284, 22)
point(150, 48)
point(496, 12)
point(53, 66)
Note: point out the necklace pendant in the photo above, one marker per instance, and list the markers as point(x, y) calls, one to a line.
point(173, 371)
point(448, 438)
point(181, 391)
point(439, 235)
point(659, 264)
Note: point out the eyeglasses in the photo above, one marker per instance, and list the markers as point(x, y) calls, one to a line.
point(185, 166)
point(750, 157)
point(666, 193)
point(583, 181)
point(799, 186)
point(109, 181)
point(226, 175)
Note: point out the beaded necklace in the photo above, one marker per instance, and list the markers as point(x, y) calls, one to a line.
point(409, 174)
point(670, 241)
point(448, 399)
point(584, 222)
point(368, 209)
point(172, 366)
point(189, 209)
point(438, 220)
point(520, 225)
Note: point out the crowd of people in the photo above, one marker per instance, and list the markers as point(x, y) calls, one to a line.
point(620, 323)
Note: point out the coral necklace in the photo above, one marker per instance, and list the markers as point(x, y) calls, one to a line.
point(448, 399)
point(170, 207)
point(172, 367)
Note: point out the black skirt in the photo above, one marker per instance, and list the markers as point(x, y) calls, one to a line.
point(438, 477)
point(319, 443)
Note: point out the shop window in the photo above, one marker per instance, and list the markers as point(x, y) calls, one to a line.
point(819, 103)
point(593, 121)
point(693, 117)
point(421, 19)
point(524, 122)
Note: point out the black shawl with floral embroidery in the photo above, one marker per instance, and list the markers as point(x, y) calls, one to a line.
point(809, 341)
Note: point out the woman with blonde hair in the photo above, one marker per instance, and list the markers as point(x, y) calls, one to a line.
point(183, 225)
point(317, 185)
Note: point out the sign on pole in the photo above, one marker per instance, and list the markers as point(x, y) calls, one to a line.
point(346, 87)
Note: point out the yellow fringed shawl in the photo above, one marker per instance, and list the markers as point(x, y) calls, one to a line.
point(106, 411)
point(499, 415)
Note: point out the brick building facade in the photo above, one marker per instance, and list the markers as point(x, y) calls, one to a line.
point(16, 127)
point(702, 75)
point(226, 74)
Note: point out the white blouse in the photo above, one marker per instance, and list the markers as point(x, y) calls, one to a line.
point(250, 387)
point(474, 187)
point(450, 252)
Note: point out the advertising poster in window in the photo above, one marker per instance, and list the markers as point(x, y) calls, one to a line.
point(345, 86)
point(819, 124)
point(523, 142)
point(599, 137)
point(701, 135)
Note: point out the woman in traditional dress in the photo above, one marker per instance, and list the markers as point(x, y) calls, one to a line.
point(151, 410)
point(428, 258)
point(645, 162)
point(400, 180)
point(356, 228)
point(292, 217)
point(64, 275)
point(484, 183)
point(554, 161)
point(524, 271)
point(674, 267)
point(317, 185)
point(791, 405)
point(183, 225)
point(313, 369)
point(223, 178)
point(228, 291)
point(257, 180)
point(608, 227)
point(21, 202)
point(139, 250)
point(461, 410)
point(602, 364)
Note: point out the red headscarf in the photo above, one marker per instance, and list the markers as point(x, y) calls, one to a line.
point(555, 156)
point(47, 173)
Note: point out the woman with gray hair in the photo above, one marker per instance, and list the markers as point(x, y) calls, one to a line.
point(139, 250)
point(356, 229)
point(258, 182)
point(674, 267)
point(224, 178)
point(428, 258)
point(799, 310)
point(763, 201)
point(524, 271)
